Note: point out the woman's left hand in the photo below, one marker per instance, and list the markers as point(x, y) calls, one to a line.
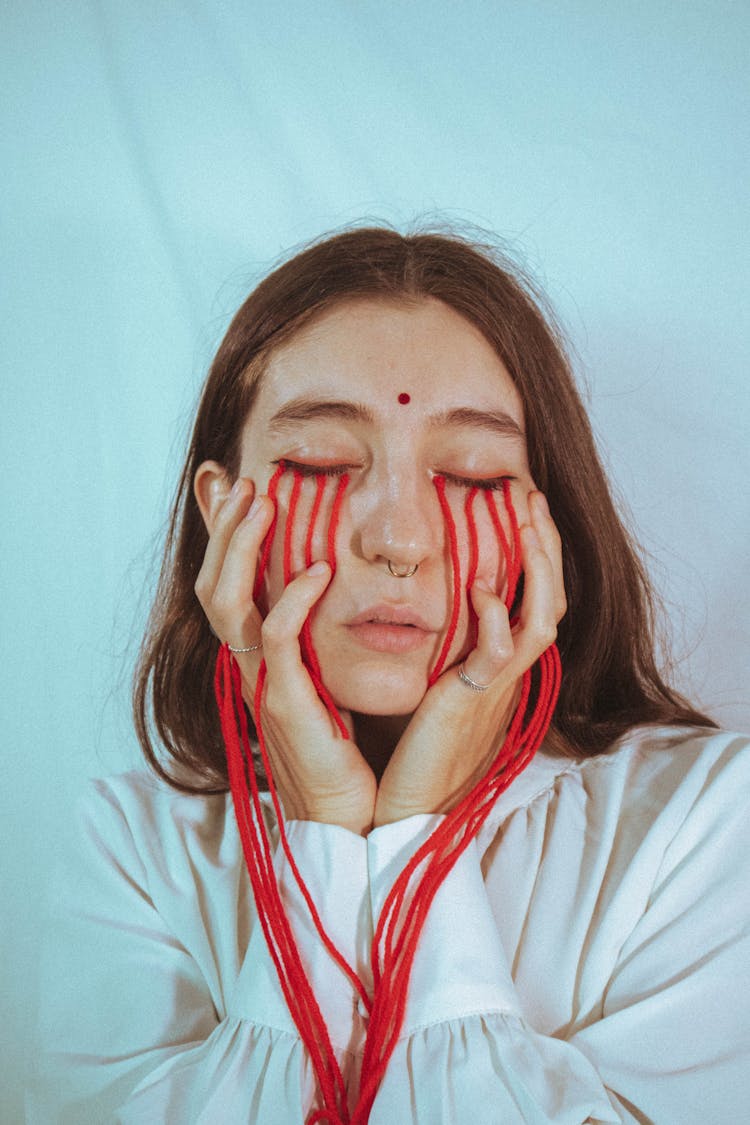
point(456, 732)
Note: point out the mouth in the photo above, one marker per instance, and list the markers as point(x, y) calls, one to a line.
point(390, 628)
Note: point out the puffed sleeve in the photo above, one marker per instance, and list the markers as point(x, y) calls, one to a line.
point(465, 1052)
point(159, 998)
point(668, 1039)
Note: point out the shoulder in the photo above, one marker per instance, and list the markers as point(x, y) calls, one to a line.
point(139, 821)
point(649, 783)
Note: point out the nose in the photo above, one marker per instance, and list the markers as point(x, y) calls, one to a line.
point(399, 520)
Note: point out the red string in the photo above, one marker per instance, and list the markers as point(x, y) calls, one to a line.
point(450, 526)
point(320, 484)
point(271, 533)
point(314, 663)
point(473, 564)
point(511, 566)
point(258, 856)
point(516, 534)
point(309, 655)
point(334, 521)
point(404, 913)
point(291, 513)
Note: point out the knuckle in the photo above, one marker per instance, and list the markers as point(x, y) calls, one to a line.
point(500, 652)
point(223, 603)
point(547, 634)
point(274, 630)
point(273, 705)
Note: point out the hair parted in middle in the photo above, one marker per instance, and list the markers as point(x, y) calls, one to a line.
point(611, 681)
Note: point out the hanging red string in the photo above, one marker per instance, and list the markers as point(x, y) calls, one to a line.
point(439, 483)
point(407, 905)
point(471, 571)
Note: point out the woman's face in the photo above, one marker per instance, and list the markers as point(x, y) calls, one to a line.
point(396, 395)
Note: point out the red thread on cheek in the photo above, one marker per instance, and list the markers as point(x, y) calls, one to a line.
point(515, 573)
point(309, 656)
point(450, 525)
point(334, 521)
point(320, 484)
point(502, 539)
point(273, 485)
point(473, 564)
point(292, 512)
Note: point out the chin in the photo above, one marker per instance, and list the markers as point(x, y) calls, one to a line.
point(384, 693)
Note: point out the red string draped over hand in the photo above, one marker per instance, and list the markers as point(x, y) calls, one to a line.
point(407, 905)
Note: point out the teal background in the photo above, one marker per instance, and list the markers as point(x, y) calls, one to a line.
point(158, 157)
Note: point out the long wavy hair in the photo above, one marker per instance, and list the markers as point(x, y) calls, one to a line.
point(611, 681)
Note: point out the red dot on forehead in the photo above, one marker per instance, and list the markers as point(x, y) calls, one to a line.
point(403, 398)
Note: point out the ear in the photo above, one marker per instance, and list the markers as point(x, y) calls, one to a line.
point(211, 486)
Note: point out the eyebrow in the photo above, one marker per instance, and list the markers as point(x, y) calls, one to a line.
point(304, 409)
point(493, 421)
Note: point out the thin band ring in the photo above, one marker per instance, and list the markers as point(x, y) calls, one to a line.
point(250, 648)
point(469, 682)
point(398, 572)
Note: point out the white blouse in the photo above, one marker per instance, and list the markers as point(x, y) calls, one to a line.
point(587, 959)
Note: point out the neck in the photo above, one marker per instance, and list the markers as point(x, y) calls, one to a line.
point(377, 737)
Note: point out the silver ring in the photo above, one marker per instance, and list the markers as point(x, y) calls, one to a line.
point(250, 648)
point(469, 682)
point(400, 573)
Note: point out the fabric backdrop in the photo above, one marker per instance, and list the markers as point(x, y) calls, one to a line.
point(159, 157)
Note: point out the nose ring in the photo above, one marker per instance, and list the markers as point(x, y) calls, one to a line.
point(401, 572)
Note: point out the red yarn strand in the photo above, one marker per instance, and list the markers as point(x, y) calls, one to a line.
point(320, 484)
point(505, 547)
point(265, 554)
point(291, 513)
point(450, 526)
point(471, 524)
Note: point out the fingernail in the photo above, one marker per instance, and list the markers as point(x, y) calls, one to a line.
point(541, 500)
point(254, 508)
point(236, 487)
point(317, 568)
point(531, 536)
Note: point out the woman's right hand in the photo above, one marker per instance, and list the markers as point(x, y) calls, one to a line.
point(318, 775)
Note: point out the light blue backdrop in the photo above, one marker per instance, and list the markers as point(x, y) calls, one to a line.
point(159, 156)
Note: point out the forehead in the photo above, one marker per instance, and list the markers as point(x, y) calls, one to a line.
point(375, 351)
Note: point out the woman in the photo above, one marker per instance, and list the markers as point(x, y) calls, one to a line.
point(362, 548)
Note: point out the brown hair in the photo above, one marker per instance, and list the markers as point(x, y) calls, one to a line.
point(606, 640)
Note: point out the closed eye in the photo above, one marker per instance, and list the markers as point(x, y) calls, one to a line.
point(487, 484)
point(314, 470)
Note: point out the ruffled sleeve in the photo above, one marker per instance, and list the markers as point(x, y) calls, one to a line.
point(160, 1001)
point(465, 1052)
point(633, 874)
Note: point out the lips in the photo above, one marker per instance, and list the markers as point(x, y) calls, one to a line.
point(385, 614)
point(392, 629)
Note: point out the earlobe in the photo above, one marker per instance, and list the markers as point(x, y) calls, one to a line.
point(211, 487)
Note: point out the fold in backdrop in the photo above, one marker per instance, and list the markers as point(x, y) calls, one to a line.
point(158, 157)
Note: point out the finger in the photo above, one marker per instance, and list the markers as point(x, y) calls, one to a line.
point(233, 509)
point(537, 628)
point(495, 645)
point(232, 599)
point(290, 688)
point(551, 542)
